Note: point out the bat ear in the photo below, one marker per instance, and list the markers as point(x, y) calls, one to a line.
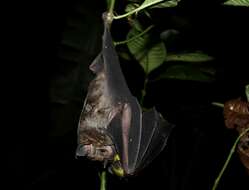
point(97, 64)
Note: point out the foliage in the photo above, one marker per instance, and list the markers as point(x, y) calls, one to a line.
point(247, 92)
point(150, 55)
point(237, 3)
point(236, 115)
point(150, 48)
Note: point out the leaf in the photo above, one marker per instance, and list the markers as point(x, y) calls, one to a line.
point(150, 56)
point(236, 115)
point(148, 3)
point(145, 4)
point(170, 3)
point(137, 25)
point(247, 92)
point(167, 34)
point(124, 55)
point(182, 72)
point(189, 57)
point(155, 57)
point(237, 3)
point(130, 7)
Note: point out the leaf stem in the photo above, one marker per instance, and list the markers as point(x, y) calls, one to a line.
point(217, 180)
point(137, 9)
point(134, 37)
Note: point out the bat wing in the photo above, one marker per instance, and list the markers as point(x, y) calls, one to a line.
point(139, 138)
point(155, 133)
point(125, 130)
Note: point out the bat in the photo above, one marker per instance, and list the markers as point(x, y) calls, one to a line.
point(112, 127)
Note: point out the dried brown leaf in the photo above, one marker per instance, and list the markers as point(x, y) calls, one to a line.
point(236, 114)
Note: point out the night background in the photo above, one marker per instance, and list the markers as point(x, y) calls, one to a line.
point(59, 40)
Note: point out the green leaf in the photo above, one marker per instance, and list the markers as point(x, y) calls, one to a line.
point(237, 3)
point(168, 34)
point(247, 92)
point(182, 72)
point(145, 4)
point(170, 3)
point(189, 57)
point(148, 3)
point(155, 57)
point(137, 25)
point(130, 7)
point(124, 55)
point(150, 56)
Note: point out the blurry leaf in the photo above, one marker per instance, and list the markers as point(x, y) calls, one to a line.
point(170, 3)
point(237, 3)
point(155, 57)
point(150, 56)
point(247, 92)
point(144, 5)
point(148, 3)
point(124, 55)
point(147, 14)
point(208, 70)
point(130, 7)
point(189, 57)
point(137, 25)
point(182, 72)
point(165, 35)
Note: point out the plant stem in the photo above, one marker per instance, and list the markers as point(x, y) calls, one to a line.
point(144, 90)
point(134, 37)
point(103, 180)
point(228, 158)
point(112, 3)
point(137, 9)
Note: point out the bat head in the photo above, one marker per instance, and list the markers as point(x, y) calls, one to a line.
point(97, 153)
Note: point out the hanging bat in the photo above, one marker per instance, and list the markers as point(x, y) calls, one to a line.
point(112, 126)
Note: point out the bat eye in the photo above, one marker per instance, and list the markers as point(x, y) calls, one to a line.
point(102, 150)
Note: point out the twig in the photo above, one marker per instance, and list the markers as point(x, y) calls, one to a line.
point(103, 180)
point(137, 9)
point(228, 158)
point(134, 37)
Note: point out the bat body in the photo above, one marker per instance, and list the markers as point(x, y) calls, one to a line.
point(112, 126)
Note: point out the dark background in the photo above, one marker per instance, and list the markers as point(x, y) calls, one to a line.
point(47, 82)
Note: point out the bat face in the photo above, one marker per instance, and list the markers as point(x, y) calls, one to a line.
point(112, 127)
